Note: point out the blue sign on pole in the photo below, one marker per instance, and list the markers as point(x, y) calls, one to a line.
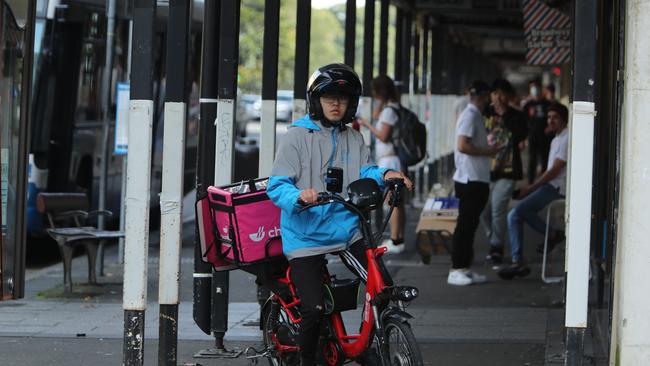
point(122, 119)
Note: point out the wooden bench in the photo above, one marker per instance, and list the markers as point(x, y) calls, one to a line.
point(69, 225)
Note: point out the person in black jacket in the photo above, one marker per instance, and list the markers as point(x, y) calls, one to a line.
point(506, 128)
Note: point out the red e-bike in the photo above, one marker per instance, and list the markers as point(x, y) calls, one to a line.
point(385, 336)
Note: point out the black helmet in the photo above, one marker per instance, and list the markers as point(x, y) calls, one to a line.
point(335, 79)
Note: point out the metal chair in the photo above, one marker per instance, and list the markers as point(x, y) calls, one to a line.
point(556, 205)
point(67, 216)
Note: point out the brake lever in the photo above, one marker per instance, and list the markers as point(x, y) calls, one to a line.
point(320, 199)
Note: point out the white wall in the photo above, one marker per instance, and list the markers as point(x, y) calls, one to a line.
point(631, 340)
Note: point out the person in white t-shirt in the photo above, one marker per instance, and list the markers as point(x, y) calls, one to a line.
point(471, 182)
point(385, 113)
point(547, 188)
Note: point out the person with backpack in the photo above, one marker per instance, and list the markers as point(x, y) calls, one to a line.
point(320, 153)
point(386, 112)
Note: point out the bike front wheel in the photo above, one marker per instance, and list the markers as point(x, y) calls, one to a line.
point(403, 349)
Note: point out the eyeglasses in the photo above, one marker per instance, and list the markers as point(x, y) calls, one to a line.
point(331, 99)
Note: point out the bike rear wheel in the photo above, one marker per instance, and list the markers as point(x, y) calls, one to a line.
point(276, 324)
point(403, 349)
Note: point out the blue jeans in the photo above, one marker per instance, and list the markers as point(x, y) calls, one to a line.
point(526, 211)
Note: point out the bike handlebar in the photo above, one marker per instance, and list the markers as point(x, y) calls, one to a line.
point(324, 198)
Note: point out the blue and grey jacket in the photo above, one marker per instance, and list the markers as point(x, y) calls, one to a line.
point(306, 151)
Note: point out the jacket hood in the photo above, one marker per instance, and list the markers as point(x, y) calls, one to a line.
point(307, 123)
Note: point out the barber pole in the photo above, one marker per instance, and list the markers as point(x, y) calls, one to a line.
point(138, 185)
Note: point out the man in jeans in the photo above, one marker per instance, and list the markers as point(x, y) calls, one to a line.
point(506, 127)
point(547, 188)
point(472, 177)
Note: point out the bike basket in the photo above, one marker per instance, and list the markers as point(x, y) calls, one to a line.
point(244, 225)
point(341, 295)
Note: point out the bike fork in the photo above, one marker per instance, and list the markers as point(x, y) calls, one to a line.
point(382, 343)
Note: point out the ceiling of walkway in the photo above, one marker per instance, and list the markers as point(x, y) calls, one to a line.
point(494, 27)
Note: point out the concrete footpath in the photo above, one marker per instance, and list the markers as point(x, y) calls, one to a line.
point(497, 323)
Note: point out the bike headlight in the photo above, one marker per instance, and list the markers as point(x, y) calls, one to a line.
point(406, 293)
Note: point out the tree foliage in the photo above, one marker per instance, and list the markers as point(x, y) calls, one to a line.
point(326, 45)
point(327, 39)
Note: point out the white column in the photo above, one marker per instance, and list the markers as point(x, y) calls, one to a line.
point(630, 325)
point(138, 194)
point(171, 203)
point(579, 190)
point(267, 137)
point(225, 144)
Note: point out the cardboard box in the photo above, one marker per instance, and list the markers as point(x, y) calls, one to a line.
point(437, 220)
point(438, 214)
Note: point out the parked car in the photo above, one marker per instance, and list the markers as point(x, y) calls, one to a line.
point(284, 108)
point(246, 111)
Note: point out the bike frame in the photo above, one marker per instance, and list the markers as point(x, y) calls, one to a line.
point(354, 345)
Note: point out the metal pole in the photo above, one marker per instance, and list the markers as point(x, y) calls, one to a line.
point(138, 183)
point(202, 306)
point(383, 37)
point(171, 197)
point(368, 46)
point(120, 246)
point(424, 85)
point(20, 227)
point(106, 102)
point(399, 19)
point(225, 144)
point(416, 62)
point(301, 70)
point(350, 31)
point(580, 175)
point(367, 73)
point(269, 86)
point(407, 42)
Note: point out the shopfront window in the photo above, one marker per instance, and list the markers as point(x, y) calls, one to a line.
point(11, 61)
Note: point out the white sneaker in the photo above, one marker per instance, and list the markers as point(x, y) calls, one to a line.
point(477, 277)
point(464, 277)
point(392, 248)
point(458, 277)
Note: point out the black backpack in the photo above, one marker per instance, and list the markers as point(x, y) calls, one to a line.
point(409, 137)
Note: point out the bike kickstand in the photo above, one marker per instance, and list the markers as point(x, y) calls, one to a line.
point(254, 355)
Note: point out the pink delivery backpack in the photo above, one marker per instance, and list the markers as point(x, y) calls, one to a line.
point(238, 225)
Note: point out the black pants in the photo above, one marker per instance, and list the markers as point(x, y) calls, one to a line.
point(473, 196)
point(307, 276)
point(538, 150)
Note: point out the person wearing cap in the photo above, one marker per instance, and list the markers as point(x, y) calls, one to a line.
point(471, 182)
point(507, 128)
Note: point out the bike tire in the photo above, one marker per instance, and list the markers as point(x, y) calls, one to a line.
point(267, 329)
point(403, 348)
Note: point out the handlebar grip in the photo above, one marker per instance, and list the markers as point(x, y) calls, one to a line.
point(322, 196)
point(397, 182)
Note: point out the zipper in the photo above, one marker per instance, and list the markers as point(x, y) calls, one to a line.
point(331, 161)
